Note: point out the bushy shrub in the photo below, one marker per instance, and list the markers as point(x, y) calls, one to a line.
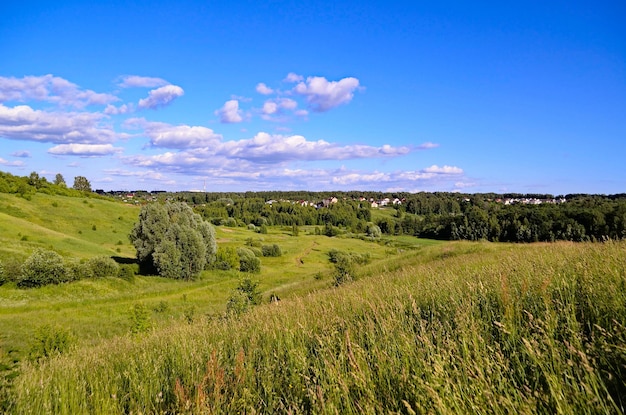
point(78, 270)
point(227, 258)
point(103, 266)
point(230, 222)
point(127, 272)
point(345, 269)
point(373, 231)
point(251, 227)
point(248, 262)
point(41, 268)
point(271, 250)
point(253, 242)
point(2, 277)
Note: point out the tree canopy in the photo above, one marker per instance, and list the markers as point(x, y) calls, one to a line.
point(173, 240)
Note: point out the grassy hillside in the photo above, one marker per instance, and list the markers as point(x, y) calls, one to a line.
point(91, 310)
point(72, 226)
point(454, 328)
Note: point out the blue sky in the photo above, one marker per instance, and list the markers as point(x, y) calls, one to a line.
point(314, 95)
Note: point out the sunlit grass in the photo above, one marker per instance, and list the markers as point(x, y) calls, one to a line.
point(454, 328)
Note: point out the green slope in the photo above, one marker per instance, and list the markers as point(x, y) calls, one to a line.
point(74, 227)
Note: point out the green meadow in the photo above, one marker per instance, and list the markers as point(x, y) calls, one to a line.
point(427, 327)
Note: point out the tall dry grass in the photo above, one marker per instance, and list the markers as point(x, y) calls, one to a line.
point(460, 328)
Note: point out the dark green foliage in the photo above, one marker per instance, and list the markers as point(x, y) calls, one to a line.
point(271, 250)
point(41, 268)
point(173, 240)
point(248, 262)
point(103, 266)
point(49, 341)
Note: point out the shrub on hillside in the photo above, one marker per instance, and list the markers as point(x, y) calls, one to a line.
point(78, 270)
point(103, 266)
point(271, 250)
point(41, 268)
point(226, 258)
point(127, 272)
point(248, 262)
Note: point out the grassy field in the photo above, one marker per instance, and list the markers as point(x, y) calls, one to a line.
point(429, 327)
point(455, 328)
point(93, 310)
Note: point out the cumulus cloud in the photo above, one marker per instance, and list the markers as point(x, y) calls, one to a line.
point(323, 95)
point(443, 169)
point(24, 123)
point(134, 81)
point(17, 163)
point(161, 97)
point(122, 109)
point(427, 146)
point(293, 78)
point(175, 136)
point(23, 154)
point(51, 89)
point(263, 89)
point(84, 150)
point(230, 112)
point(269, 107)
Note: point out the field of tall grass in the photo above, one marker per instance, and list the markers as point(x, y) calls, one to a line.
point(453, 328)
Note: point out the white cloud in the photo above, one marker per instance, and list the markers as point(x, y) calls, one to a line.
point(443, 169)
point(122, 109)
point(134, 81)
point(427, 146)
point(270, 107)
point(175, 136)
point(51, 89)
point(263, 89)
point(24, 123)
point(230, 112)
point(292, 77)
point(24, 154)
point(323, 95)
point(287, 103)
point(84, 150)
point(161, 97)
point(4, 162)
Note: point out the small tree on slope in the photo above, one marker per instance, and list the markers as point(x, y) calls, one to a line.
point(173, 240)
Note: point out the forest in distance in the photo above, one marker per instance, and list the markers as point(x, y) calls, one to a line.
point(508, 217)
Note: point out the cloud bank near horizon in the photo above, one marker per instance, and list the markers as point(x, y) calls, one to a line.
point(81, 123)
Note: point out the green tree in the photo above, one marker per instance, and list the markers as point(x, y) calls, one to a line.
point(34, 180)
point(81, 183)
point(59, 180)
point(173, 240)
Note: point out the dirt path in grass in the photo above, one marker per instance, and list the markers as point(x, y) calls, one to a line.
point(300, 259)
